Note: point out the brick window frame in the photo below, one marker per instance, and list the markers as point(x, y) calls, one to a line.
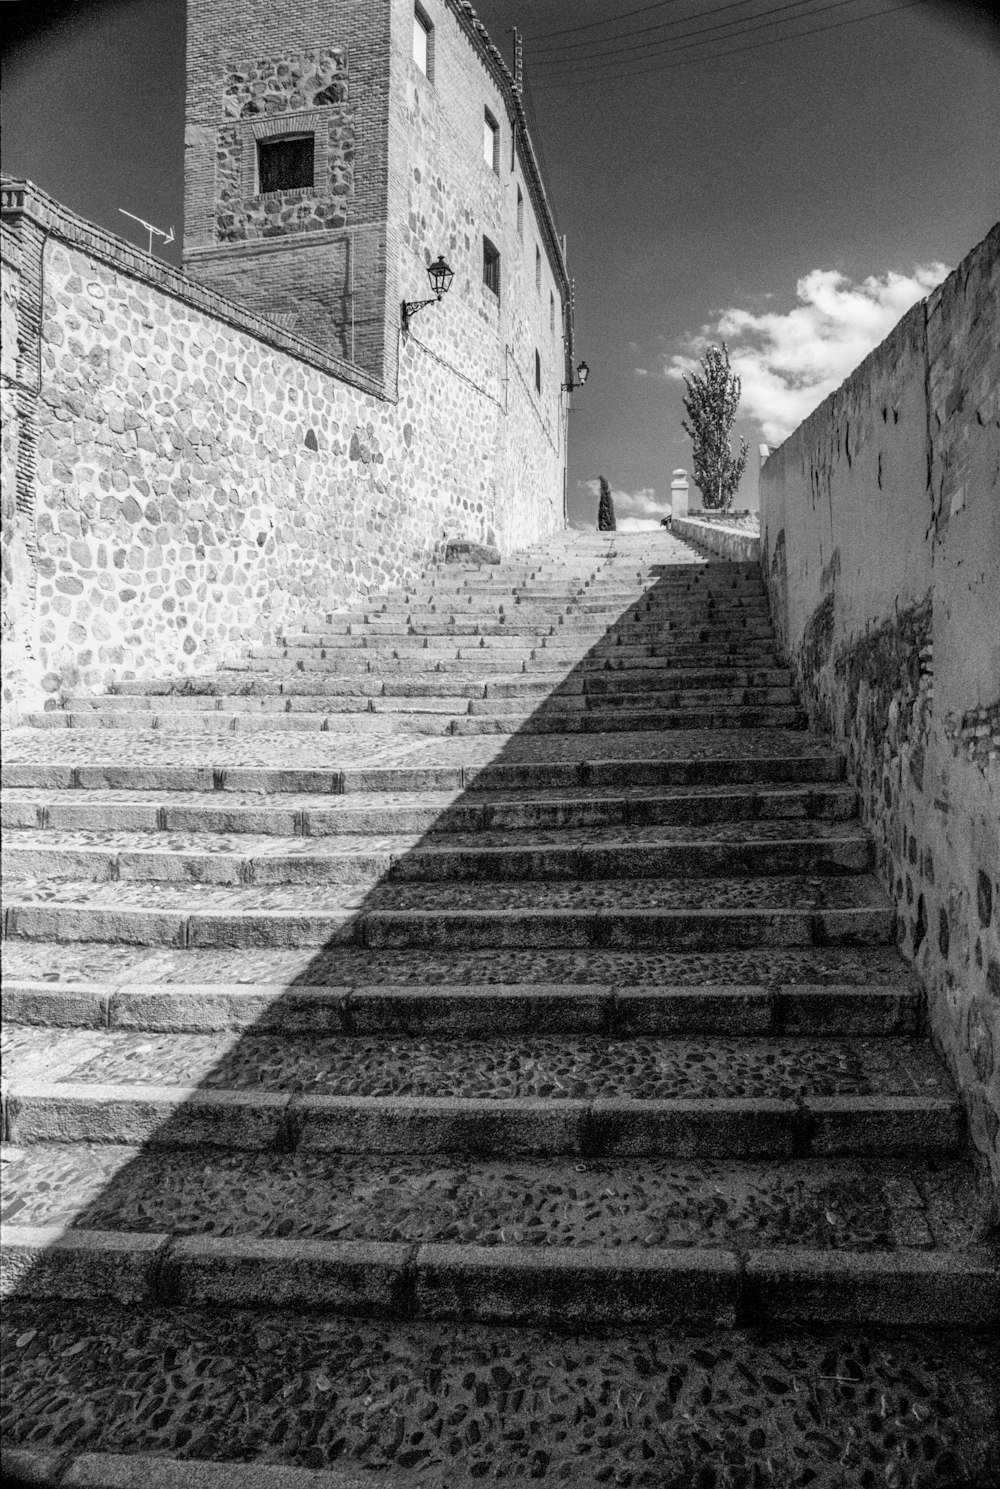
point(302, 122)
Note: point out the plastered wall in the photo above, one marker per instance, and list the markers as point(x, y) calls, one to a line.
point(880, 522)
point(190, 477)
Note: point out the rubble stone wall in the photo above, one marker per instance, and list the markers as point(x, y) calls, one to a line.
point(880, 522)
point(189, 478)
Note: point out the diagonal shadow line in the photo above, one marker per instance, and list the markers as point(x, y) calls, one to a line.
point(132, 1193)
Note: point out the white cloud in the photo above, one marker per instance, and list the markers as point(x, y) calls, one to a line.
point(640, 371)
point(788, 363)
point(636, 524)
point(635, 511)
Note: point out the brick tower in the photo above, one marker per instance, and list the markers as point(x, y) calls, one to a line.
point(286, 180)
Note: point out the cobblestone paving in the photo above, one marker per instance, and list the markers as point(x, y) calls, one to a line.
point(87, 961)
point(836, 1410)
point(853, 1205)
point(331, 751)
point(555, 1067)
point(112, 834)
point(777, 892)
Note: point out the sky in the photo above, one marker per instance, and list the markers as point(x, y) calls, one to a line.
point(719, 174)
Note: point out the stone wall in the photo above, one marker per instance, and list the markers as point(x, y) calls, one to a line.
point(880, 521)
point(732, 543)
point(190, 477)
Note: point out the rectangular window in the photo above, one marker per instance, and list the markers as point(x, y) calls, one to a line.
point(552, 313)
point(491, 142)
point(520, 214)
point(285, 163)
point(491, 267)
point(538, 373)
point(538, 269)
point(422, 41)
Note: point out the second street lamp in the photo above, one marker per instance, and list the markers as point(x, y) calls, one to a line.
point(582, 374)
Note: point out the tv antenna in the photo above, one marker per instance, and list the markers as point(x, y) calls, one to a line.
point(150, 229)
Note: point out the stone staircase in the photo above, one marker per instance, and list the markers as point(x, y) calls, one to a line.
point(463, 1042)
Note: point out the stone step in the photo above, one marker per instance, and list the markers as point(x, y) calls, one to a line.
point(627, 719)
point(420, 716)
point(813, 848)
point(709, 1242)
point(478, 661)
point(303, 694)
point(370, 682)
point(707, 914)
point(395, 1401)
point(462, 1009)
point(585, 1096)
point(847, 975)
point(328, 764)
point(314, 814)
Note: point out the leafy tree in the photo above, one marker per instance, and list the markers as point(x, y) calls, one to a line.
point(713, 396)
point(606, 509)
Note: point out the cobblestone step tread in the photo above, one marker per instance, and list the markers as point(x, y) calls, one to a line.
point(749, 895)
point(825, 1204)
point(554, 1068)
point(465, 1009)
point(436, 1404)
point(446, 811)
point(57, 963)
point(561, 852)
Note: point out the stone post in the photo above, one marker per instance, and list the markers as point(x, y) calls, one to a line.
point(679, 494)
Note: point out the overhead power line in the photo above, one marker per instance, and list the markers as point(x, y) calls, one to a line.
point(593, 41)
point(679, 42)
point(591, 25)
point(602, 74)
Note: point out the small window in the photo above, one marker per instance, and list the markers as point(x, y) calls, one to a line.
point(491, 142)
point(285, 164)
point(538, 373)
point(520, 214)
point(552, 313)
point(422, 51)
point(538, 269)
point(491, 267)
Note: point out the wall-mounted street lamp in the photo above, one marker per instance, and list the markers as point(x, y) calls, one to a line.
point(440, 275)
point(582, 374)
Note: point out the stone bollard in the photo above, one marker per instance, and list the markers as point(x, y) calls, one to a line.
point(679, 494)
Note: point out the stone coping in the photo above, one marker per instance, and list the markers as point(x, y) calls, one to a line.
point(731, 543)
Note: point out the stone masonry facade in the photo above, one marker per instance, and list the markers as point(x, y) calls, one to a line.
point(881, 535)
point(182, 476)
point(400, 175)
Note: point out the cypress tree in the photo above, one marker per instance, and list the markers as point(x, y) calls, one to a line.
point(713, 396)
point(606, 509)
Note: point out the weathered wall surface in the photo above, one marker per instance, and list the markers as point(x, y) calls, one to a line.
point(880, 521)
point(201, 478)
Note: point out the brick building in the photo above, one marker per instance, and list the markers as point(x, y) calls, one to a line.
point(335, 148)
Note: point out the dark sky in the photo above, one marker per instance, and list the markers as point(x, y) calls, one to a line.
point(689, 183)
